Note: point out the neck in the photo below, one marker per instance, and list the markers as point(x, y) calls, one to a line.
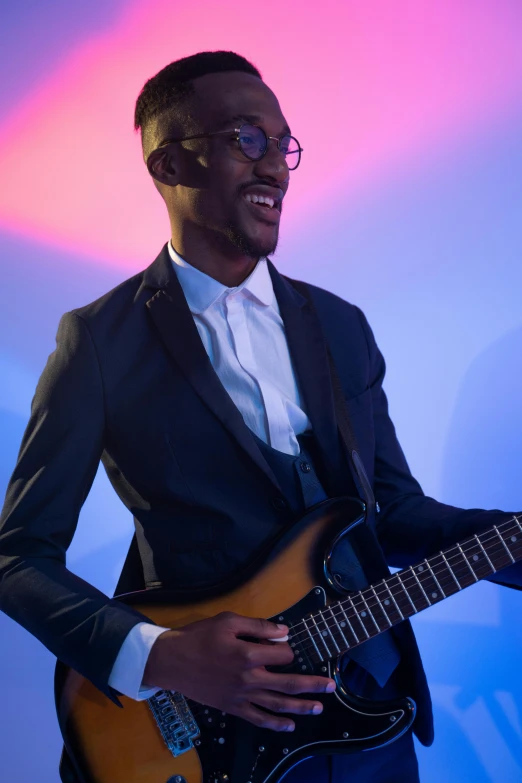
point(214, 257)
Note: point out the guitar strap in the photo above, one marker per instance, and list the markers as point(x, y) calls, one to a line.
point(380, 655)
point(363, 536)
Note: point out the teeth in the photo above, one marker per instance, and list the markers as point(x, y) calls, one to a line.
point(252, 197)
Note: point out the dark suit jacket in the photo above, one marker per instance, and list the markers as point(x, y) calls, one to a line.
point(131, 383)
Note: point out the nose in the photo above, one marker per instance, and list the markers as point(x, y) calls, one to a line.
point(273, 164)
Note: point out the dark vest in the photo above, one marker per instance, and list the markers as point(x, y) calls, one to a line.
point(299, 478)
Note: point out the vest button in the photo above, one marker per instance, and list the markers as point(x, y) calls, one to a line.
point(305, 467)
point(279, 503)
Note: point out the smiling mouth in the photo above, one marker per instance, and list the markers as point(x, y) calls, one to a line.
point(264, 208)
point(263, 201)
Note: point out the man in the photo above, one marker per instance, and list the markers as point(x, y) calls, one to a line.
point(204, 385)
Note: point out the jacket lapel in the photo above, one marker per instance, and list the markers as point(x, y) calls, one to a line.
point(310, 360)
point(175, 324)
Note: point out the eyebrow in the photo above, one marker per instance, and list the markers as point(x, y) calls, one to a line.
point(253, 119)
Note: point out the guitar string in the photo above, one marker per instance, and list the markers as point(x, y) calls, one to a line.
point(308, 646)
point(468, 544)
point(372, 601)
point(353, 614)
point(423, 577)
point(473, 543)
point(309, 641)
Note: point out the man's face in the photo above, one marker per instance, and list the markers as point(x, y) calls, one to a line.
point(216, 181)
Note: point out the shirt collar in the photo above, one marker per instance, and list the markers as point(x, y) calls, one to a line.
point(201, 291)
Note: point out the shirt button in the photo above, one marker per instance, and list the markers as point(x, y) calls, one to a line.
point(279, 503)
point(305, 467)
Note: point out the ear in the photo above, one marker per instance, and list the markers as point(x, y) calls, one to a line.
point(161, 166)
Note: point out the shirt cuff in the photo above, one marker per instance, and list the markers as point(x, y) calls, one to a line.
point(127, 673)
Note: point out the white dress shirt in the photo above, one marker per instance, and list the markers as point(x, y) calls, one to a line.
point(244, 337)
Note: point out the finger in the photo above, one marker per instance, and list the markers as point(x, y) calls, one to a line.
point(264, 720)
point(273, 701)
point(254, 626)
point(255, 655)
point(293, 683)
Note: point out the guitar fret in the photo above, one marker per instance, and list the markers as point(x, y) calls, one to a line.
point(349, 623)
point(407, 592)
point(381, 606)
point(515, 520)
point(432, 572)
point(461, 566)
point(496, 549)
point(475, 555)
point(328, 631)
point(369, 611)
point(338, 624)
point(485, 554)
point(359, 617)
point(514, 539)
point(398, 575)
point(421, 587)
point(451, 572)
point(443, 576)
point(385, 583)
point(302, 651)
point(501, 554)
point(473, 574)
point(313, 640)
point(400, 596)
point(504, 543)
point(427, 584)
point(329, 654)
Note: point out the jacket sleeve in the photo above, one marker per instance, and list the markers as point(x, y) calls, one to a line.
point(410, 525)
point(58, 459)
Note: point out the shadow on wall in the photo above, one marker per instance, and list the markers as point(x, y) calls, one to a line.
point(474, 676)
point(475, 670)
point(483, 463)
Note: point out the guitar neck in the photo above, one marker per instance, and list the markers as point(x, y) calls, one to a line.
point(346, 623)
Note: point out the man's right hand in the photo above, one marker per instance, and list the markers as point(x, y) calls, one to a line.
point(208, 662)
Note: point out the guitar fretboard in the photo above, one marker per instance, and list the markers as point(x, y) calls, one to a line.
point(351, 621)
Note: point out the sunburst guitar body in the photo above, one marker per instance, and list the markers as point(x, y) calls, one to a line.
point(171, 739)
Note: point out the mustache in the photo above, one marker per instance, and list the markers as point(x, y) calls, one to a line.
point(280, 186)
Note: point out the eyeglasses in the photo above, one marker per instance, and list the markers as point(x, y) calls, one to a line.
point(253, 143)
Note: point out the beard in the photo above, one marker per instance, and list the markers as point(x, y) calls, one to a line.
point(247, 245)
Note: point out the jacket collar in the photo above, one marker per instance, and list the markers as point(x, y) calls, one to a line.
point(309, 355)
point(172, 317)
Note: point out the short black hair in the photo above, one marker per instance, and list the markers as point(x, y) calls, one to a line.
point(169, 89)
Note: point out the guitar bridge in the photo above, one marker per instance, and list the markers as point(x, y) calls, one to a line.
point(175, 721)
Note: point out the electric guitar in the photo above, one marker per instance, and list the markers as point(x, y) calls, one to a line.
point(171, 739)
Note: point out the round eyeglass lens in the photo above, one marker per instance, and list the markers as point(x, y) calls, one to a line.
point(290, 149)
point(252, 141)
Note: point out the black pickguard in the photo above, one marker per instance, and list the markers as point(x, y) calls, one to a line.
point(234, 750)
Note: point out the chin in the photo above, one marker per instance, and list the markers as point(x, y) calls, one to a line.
point(253, 246)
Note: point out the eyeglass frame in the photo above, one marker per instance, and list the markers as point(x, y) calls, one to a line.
point(238, 131)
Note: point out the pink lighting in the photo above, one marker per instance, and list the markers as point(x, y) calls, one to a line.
point(423, 78)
